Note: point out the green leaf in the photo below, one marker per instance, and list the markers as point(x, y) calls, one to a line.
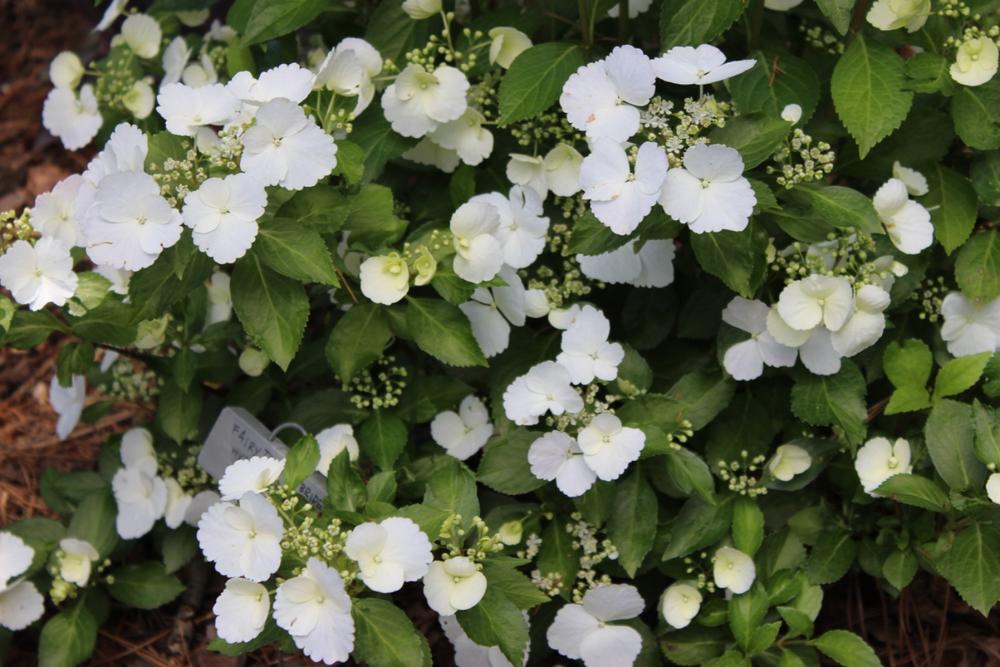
point(535, 80)
point(74, 359)
point(260, 20)
point(697, 397)
point(28, 329)
point(178, 412)
point(694, 645)
point(301, 461)
point(748, 525)
point(953, 206)
point(834, 206)
point(144, 585)
point(94, 521)
point(107, 324)
point(839, 13)
point(971, 566)
point(178, 548)
point(950, 437)
point(690, 474)
point(976, 112)
point(294, 250)
point(847, 649)
point(427, 395)
point(632, 526)
point(960, 373)
point(977, 267)
point(899, 568)
point(178, 270)
point(443, 331)
point(914, 490)
point(985, 177)
point(385, 636)
point(496, 621)
point(987, 443)
point(755, 136)
point(777, 80)
point(452, 488)
point(344, 488)
point(62, 491)
point(839, 399)
point(514, 584)
point(686, 22)
point(908, 365)
point(831, 557)
point(697, 525)
point(738, 259)
point(504, 466)
point(68, 638)
point(557, 555)
point(358, 339)
point(376, 138)
point(592, 237)
point(746, 612)
point(273, 309)
point(382, 438)
point(868, 92)
point(393, 32)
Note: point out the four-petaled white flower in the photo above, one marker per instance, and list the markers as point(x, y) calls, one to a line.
point(976, 61)
point(895, 14)
point(76, 560)
point(608, 447)
point(178, 501)
point(557, 457)
point(680, 603)
point(463, 433)
point(241, 610)
point(453, 585)
point(285, 147)
point(421, 9)
point(586, 353)
point(815, 347)
point(619, 196)
point(55, 213)
point(315, 610)
point(140, 99)
point(970, 327)
point(650, 266)
point(20, 602)
point(252, 475)
point(419, 101)
point(175, 59)
point(879, 459)
point(186, 109)
point(348, 70)
point(478, 254)
point(746, 360)
point(733, 570)
point(586, 631)
point(701, 65)
point(523, 226)
point(74, 119)
point(290, 81)
point(506, 44)
point(492, 311)
point(332, 441)
point(141, 499)
point(385, 279)
point(242, 540)
point(67, 403)
point(814, 300)
point(558, 171)
point(865, 325)
point(465, 135)
point(389, 553)
point(137, 451)
point(222, 214)
point(788, 461)
point(907, 222)
point(66, 70)
point(916, 183)
point(709, 193)
point(142, 34)
point(601, 98)
point(39, 274)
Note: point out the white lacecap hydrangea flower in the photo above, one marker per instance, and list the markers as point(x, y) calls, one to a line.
point(178, 502)
point(348, 70)
point(286, 148)
point(652, 265)
point(421, 9)
point(879, 459)
point(241, 610)
point(791, 113)
point(175, 59)
point(993, 487)
point(976, 61)
point(588, 632)
point(67, 403)
point(709, 193)
point(243, 540)
point(733, 570)
point(187, 109)
point(389, 553)
point(814, 346)
point(141, 499)
point(915, 182)
point(418, 101)
point(66, 70)
point(315, 610)
point(506, 44)
point(289, 81)
point(55, 213)
point(478, 254)
point(253, 475)
point(586, 352)
point(220, 299)
point(142, 34)
point(746, 360)
point(428, 153)
point(701, 65)
point(679, 604)
point(492, 311)
point(620, 196)
point(73, 118)
point(907, 223)
point(546, 387)
point(788, 461)
point(465, 432)
point(557, 457)
point(895, 14)
point(470, 654)
point(609, 447)
point(817, 299)
point(39, 274)
point(454, 585)
point(385, 279)
point(76, 561)
point(20, 602)
point(865, 326)
point(970, 327)
point(140, 99)
point(465, 135)
point(602, 98)
point(522, 225)
point(222, 214)
point(332, 441)
point(137, 451)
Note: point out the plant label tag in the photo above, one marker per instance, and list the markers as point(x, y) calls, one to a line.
point(236, 435)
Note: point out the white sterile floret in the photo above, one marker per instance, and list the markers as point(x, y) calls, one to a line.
point(421, 9)
point(200, 73)
point(733, 570)
point(20, 602)
point(290, 81)
point(478, 254)
point(814, 300)
point(385, 279)
point(679, 604)
point(976, 61)
point(536, 303)
point(529, 171)
point(907, 222)
point(175, 59)
point(67, 402)
point(315, 610)
point(621, 197)
point(177, 503)
point(220, 298)
point(253, 475)
point(865, 325)
point(557, 457)
point(586, 352)
point(428, 153)
point(522, 226)
point(111, 13)
point(586, 631)
point(492, 311)
point(389, 553)
point(242, 540)
point(332, 441)
point(142, 34)
point(453, 585)
point(635, 7)
point(546, 387)
point(465, 135)
point(506, 44)
point(709, 193)
point(915, 182)
point(285, 147)
point(470, 654)
point(993, 487)
point(608, 447)
point(130, 223)
point(895, 14)
point(788, 461)
point(701, 65)
point(76, 560)
point(186, 109)
point(348, 70)
point(137, 451)
point(601, 98)
point(791, 113)
point(879, 459)
point(141, 499)
point(562, 170)
point(39, 274)
point(814, 346)
point(74, 120)
point(746, 360)
point(418, 101)
point(970, 327)
point(241, 610)
point(66, 70)
point(140, 99)
point(125, 151)
point(463, 433)
point(651, 266)
point(222, 214)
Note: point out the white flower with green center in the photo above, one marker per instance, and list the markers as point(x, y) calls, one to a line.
point(805, 304)
point(187, 109)
point(557, 457)
point(348, 70)
point(253, 475)
point(465, 135)
point(521, 227)
point(492, 311)
point(788, 461)
point(679, 604)
point(20, 602)
point(76, 560)
point(287, 148)
point(506, 44)
point(463, 433)
point(970, 327)
point(141, 500)
point(454, 585)
point(879, 459)
point(546, 387)
point(701, 65)
point(907, 222)
point(602, 98)
point(620, 196)
point(733, 570)
point(815, 347)
point(385, 279)
point(241, 610)
point(588, 632)
point(315, 610)
point(993, 487)
point(290, 81)
point(428, 153)
point(895, 14)
point(709, 193)
point(39, 274)
point(976, 61)
point(389, 553)
point(418, 101)
point(608, 447)
point(332, 441)
point(137, 451)
point(866, 324)
point(650, 266)
point(175, 59)
point(243, 540)
point(139, 100)
point(746, 360)
point(66, 70)
point(73, 119)
point(421, 9)
point(142, 34)
point(586, 352)
point(223, 213)
point(478, 253)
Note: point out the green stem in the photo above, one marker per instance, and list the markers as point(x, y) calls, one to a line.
point(623, 21)
point(585, 27)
